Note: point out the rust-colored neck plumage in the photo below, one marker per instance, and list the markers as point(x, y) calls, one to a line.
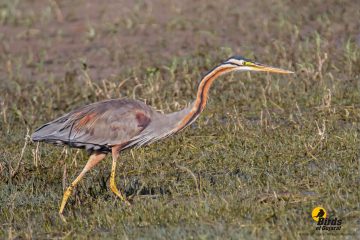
point(163, 125)
point(202, 94)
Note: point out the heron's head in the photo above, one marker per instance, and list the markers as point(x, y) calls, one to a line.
point(240, 63)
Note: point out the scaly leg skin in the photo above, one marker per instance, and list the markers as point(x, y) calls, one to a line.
point(92, 162)
point(114, 189)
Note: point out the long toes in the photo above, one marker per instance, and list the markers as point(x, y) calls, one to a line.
point(62, 217)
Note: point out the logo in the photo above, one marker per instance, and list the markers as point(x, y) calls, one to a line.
point(324, 222)
point(317, 213)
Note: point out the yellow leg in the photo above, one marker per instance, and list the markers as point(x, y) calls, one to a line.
point(93, 160)
point(114, 189)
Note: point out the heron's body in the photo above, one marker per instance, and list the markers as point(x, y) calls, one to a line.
point(100, 126)
point(118, 124)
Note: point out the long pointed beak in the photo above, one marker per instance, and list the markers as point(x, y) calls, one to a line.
point(263, 68)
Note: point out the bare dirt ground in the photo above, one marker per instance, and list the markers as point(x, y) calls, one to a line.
point(115, 35)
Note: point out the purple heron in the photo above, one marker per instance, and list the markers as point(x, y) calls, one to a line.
point(118, 124)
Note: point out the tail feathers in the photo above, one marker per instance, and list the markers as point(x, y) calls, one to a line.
point(39, 134)
point(36, 137)
point(48, 133)
point(55, 132)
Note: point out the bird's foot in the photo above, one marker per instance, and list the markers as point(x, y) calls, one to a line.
point(115, 190)
point(67, 194)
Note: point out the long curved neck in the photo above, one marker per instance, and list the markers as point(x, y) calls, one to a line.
point(202, 94)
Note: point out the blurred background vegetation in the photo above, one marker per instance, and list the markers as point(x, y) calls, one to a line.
point(266, 151)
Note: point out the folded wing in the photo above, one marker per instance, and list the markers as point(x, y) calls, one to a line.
point(97, 126)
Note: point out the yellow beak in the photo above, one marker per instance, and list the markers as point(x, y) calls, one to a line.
point(263, 68)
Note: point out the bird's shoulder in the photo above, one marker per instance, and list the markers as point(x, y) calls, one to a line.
point(113, 113)
point(109, 122)
point(116, 105)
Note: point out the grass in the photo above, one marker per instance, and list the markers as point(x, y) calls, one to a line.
point(266, 151)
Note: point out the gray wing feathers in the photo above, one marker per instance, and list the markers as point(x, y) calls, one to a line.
point(97, 125)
